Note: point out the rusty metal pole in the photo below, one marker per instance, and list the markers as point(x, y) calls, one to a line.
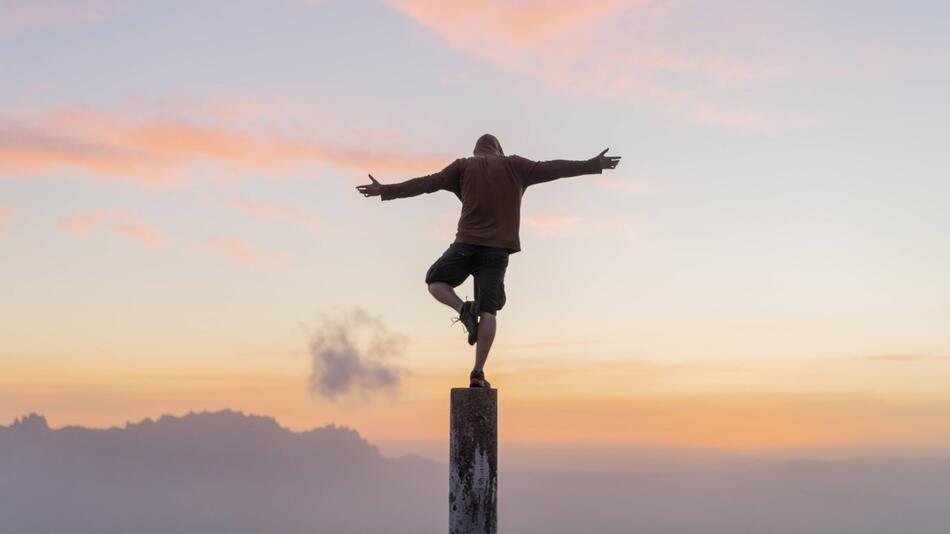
point(473, 461)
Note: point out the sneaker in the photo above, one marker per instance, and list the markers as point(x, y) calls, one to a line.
point(469, 319)
point(477, 380)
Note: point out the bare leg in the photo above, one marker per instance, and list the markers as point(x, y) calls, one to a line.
point(445, 294)
point(486, 335)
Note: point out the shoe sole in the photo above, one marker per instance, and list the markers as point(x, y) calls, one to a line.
point(473, 333)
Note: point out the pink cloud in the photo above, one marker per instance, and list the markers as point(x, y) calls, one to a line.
point(574, 47)
point(87, 221)
point(497, 25)
point(241, 252)
point(140, 233)
point(160, 152)
point(121, 222)
point(22, 15)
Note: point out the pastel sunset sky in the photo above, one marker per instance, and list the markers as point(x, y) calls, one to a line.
point(767, 268)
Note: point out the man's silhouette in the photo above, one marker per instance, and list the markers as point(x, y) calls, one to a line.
point(490, 186)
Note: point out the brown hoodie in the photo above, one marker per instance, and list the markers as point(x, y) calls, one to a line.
point(490, 186)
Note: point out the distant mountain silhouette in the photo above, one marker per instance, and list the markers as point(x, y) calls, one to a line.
point(226, 472)
point(210, 472)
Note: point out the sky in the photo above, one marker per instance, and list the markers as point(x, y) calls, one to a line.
point(765, 270)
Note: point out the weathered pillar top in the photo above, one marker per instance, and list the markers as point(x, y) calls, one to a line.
point(474, 392)
point(471, 404)
point(473, 460)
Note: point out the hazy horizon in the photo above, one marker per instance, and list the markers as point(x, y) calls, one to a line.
point(595, 456)
point(230, 472)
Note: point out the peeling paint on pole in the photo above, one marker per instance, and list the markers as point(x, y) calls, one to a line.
point(473, 461)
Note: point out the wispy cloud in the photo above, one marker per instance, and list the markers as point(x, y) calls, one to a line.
point(141, 233)
point(242, 252)
point(505, 24)
point(161, 151)
point(22, 15)
point(576, 46)
point(87, 221)
point(120, 222)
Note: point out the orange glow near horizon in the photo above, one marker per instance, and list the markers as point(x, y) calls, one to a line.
point(534, 408)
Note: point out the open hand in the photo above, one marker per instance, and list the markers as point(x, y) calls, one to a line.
point(370, 190)
point(607, 162)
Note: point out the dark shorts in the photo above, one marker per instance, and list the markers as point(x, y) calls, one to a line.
point(486, 264)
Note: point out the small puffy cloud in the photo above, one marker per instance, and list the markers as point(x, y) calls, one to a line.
point(353, 354)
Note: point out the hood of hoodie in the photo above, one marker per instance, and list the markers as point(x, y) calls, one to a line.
point(488, 145)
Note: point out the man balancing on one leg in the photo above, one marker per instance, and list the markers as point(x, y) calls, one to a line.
point(490, 186)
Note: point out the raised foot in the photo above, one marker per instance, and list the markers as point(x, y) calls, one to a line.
point(469, 319)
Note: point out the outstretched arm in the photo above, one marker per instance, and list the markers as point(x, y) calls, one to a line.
point(536, 172)
point(447, 178)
